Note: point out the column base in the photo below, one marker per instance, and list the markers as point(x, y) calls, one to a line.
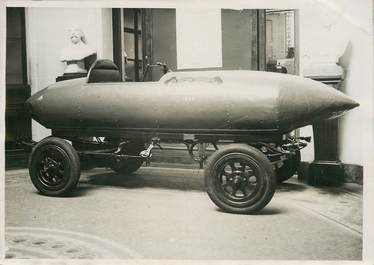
point(326, 173)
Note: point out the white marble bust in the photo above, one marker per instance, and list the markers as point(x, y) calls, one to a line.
point(75, 53)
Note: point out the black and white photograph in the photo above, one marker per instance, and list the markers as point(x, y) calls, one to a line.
point(183, 131)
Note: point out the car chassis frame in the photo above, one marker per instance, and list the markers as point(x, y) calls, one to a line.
point(240, 176)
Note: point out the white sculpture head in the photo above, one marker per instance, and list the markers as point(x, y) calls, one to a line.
point(76, 35)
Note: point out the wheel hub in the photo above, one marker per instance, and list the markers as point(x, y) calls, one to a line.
point(51, 171)
point(51, 164)
point(238, 180)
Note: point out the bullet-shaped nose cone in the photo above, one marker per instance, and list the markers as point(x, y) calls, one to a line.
point(304, 101)
point(348, 103)
point(28, 106)
point(336, 100)
point(33, 103)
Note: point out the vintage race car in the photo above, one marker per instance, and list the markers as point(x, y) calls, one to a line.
point(102, 121)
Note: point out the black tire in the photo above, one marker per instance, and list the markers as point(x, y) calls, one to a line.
point(54, 167)
point(129, 165)
point(257, 173)
point(289, 168)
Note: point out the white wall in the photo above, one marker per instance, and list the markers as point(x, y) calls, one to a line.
point(105, 34)
point(328, 30)
point(199, 38)
point(47, 34)
point(332, 31)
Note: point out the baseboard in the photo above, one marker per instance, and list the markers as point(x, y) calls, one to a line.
point(353, 173)
point(16, 159)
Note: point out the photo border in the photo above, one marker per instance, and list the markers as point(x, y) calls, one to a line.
point(366, 144)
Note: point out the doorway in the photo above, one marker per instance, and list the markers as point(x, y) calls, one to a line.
point(141, 37)
point(280, 41)
point(17, 118)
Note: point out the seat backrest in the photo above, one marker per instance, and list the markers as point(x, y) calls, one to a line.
point(104, 71)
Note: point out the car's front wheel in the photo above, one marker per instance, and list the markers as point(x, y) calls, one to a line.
point(54, 167)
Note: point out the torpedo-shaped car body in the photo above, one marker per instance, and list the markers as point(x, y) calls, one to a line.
point(191, 102)
point(254, 110)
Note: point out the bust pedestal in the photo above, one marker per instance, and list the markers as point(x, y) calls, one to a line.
point(68, 76)
point(88, 61)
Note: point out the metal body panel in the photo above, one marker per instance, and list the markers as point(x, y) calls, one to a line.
point(200, 102)
point(145, 135)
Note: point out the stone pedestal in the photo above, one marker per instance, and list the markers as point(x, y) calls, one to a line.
point(326, 169)
point(326, 173)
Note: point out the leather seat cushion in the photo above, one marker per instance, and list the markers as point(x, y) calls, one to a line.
point(104, 71)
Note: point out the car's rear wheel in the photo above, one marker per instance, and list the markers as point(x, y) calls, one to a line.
point(289, 168)
point(129, 165)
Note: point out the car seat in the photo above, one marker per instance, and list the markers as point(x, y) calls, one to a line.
point(103, 71)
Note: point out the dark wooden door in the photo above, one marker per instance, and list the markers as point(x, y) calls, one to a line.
point(17, 119)
point(243, 39)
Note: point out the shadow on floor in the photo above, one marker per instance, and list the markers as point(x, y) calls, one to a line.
point(172, 180)
point(291, 186)
point(145, 180)
point(268, 210)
